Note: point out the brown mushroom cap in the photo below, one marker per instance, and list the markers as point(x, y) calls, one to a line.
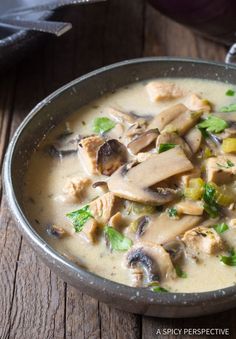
point(154, 260)
point(110, 156)
point(143, 140)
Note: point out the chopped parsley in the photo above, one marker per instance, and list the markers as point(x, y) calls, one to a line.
point(228, 109)
point(155, 287)
point(80, 217)
point(209, 198)
point(230, 92)
point(159, 289)
point(117, 240)
point(102, 125)
point(213, 124)
point(221, 228)
point(172, 212)
point(229, 164)
point(180, 273)
point(229, 260)
point(165, 147)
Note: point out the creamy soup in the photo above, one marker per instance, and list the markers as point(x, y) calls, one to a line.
point(138, 186)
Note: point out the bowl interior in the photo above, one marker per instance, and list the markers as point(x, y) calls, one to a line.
point(65, 101)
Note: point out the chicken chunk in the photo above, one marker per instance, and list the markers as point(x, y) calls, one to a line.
point(221, 170)
point(116, 221)
point(89, 231)
point(158, 91)
point(88, 152)
point(104, 207)
point(195, 103)
point(75, 188)
point(203, 239)
point(189, 207)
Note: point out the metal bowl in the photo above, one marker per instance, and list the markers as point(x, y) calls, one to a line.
point(54, 109)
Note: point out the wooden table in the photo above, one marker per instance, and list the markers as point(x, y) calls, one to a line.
point(34, 303)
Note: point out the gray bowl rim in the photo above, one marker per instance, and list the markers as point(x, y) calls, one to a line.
point(121, 291)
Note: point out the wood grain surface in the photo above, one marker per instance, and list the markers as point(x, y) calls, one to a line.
point(34, 303)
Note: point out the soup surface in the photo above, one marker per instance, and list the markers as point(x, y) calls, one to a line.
point(139, 186)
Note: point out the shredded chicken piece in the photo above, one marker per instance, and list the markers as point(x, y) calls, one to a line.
point(89, 231)
point(203, 239)
point(116, 221)
point(221, 169)
point(88, 151)
point(75, 188)
point(158, 91)
point(195, 103)
point(104, 207)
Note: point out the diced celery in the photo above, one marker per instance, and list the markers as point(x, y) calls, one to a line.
point(142, 209)
point(207, 153)
point(194, 189)
point(229, 145)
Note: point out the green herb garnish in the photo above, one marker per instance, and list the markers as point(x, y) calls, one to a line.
point(117, 240)
point(180, 273)
point(229, 164)
point(172, 212)
point(229, 260)
point(80, 217)
point(159, 289)
point(228, 109)
point(102, 125)
point(230, 92)
point(221, 228)
point(165, 147)
point(213, 124)
point(209, 198)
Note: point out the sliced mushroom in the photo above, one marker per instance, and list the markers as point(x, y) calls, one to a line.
point(138, 128)
point(63, 146)
point(154, 260)
point(176, 250)
point(57, 231)
point(121, 116)
point(102, 185)
point(134, 183)
point(194, 139)
point(142, 222)
point(129, 117)
point(58, 150)
point(184, 122)
point(142, 141)
point(162, 228)
point(173, 138)
point(166, 116)
point(110, 156)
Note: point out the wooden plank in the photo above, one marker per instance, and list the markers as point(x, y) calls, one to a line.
point(119, 324)
point(165, 37)
point(82, 316)
point(34, 298)
point(43, 306)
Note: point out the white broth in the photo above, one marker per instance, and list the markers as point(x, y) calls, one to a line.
point(133, 249)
